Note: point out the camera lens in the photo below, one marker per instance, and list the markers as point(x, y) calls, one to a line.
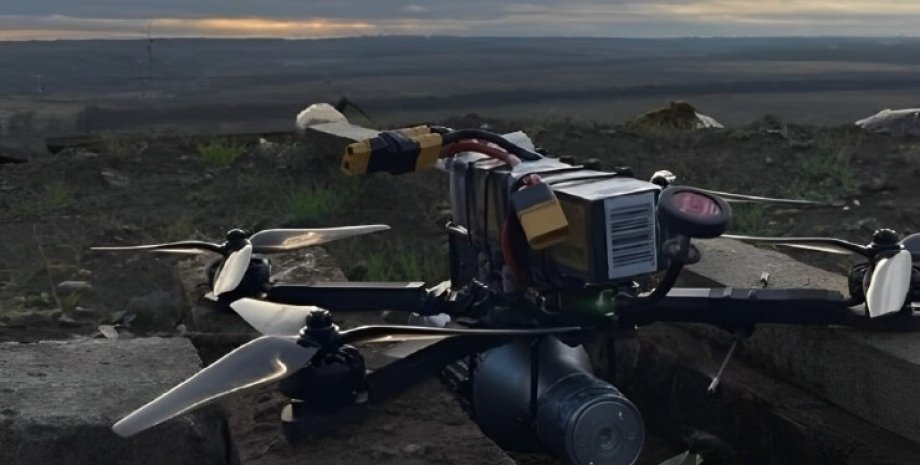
point(589, 422)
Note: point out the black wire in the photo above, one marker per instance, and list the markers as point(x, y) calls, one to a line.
point(512, 148)
point(660, 291)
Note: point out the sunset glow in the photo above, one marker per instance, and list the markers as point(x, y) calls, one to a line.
point(74, 19)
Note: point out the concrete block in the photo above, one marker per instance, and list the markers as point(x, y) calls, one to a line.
point(58, 401)
point(762, 420)
point(874, 375)
point(420, 426)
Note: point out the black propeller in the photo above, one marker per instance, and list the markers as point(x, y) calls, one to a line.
point(890, 257)
point(273, 358)
point(240, 246)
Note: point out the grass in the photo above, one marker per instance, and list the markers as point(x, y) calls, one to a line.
point(751, 219)
point(393, 266)
point(405, 263)
point(116, 145)
point(221, 152)
point(55, 197)
point(179, 230)
point(826, 173)
point(315, 204)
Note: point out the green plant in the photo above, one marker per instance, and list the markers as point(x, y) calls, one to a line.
point(70, 301)
point(55, 196)
point(313, 204)
point(221, 152)
point(179, 230)
point(404, 263)
point(825, 172)
point(751, 219)
point(114, 144)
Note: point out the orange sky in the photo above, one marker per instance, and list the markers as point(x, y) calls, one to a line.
point(51, 19)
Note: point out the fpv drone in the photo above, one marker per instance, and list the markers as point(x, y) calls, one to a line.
point(542, 254)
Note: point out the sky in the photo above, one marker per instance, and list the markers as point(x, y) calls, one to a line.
point(112, 19)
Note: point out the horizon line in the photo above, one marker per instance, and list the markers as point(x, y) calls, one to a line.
point(457, 36)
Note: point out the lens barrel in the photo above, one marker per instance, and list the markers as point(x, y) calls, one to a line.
point(575, 416)
point(589, 421)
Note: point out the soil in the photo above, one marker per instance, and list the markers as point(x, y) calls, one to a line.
point(154, 189)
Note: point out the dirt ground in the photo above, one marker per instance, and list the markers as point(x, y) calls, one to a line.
point(123, 191)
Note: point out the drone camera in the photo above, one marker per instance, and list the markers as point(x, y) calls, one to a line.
point(529, 395)
point(693, 213)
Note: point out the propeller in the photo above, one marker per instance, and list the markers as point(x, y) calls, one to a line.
point(665, 178)
point(272, 319)
point(240, 246)
point(891, 263)
point(271, 359)
point(821, 244)
point(741, 198)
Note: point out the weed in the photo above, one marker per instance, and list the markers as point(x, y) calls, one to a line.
point(70, 301)
point(116, 145)
point(751, 219)
point(181, 229)
point(312, 205)
point(221, 152)
point(55, 197)
point(404, 263)
point(825, 172)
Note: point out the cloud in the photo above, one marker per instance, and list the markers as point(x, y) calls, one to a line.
point(335, 18)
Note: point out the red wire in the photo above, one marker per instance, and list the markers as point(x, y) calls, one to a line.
point(480, 147)
point(473, 145)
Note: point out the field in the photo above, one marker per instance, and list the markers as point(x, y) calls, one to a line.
point(232, 86)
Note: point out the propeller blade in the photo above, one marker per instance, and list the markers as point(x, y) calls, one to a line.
point(393, 333)
point(821, 244)
point(167, 247)
point(741, 198)
point(261, 361)
point(182, 251)
point(231, 273)
point(271, 318)
point(284, 240)
point(889, 284)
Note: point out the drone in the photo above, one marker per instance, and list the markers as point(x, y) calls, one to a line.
point(543, 254)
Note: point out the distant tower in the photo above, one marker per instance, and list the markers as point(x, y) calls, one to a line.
point(40, 83)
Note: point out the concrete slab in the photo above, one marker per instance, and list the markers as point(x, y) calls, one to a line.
point(423, 425)
point(58, 401)
point(871, 374)
point(760, 419)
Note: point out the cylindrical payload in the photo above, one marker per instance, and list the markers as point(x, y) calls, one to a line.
point(577, 417)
